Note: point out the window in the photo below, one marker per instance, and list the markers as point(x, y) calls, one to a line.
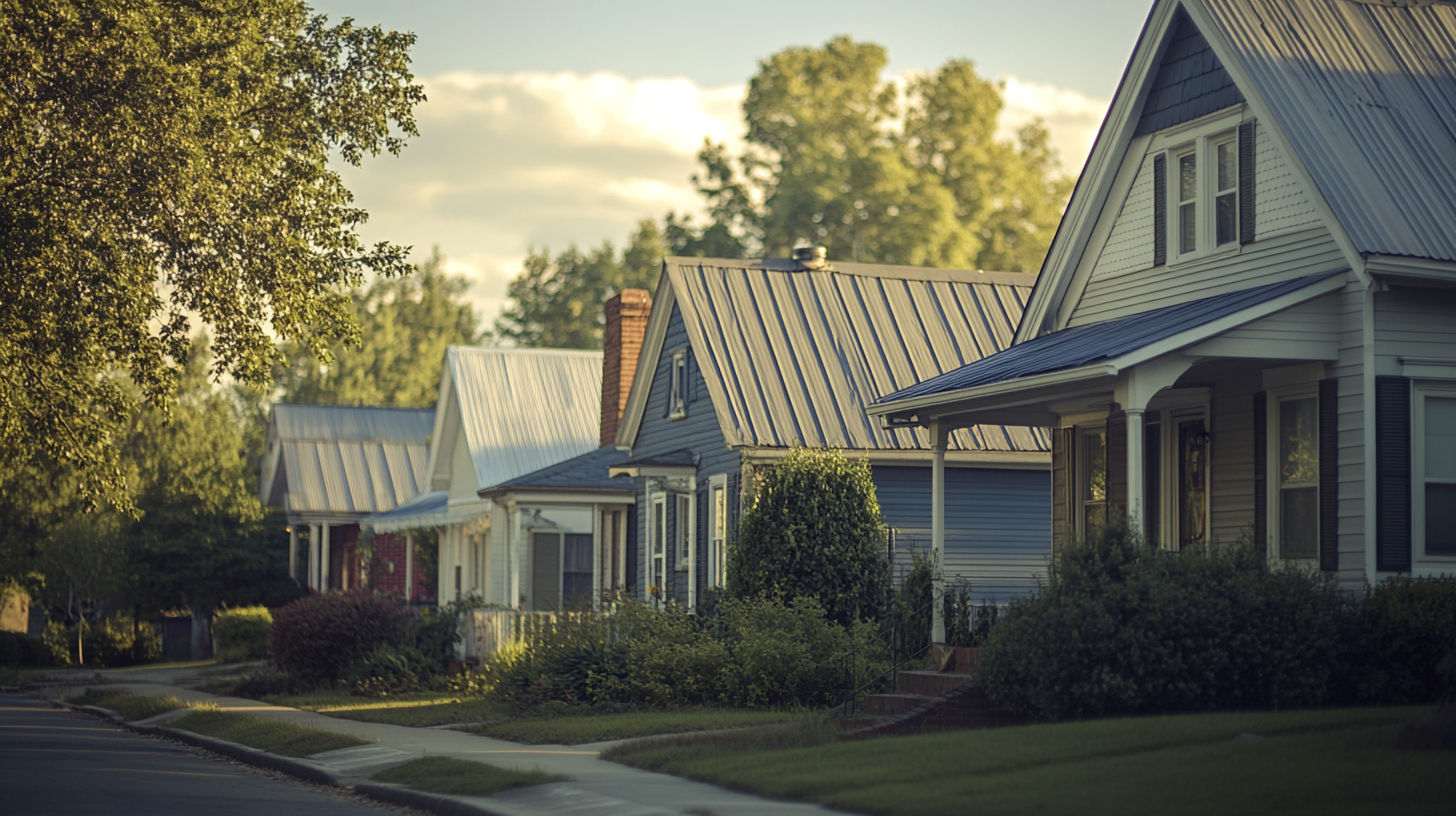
point(1205, 189)
point(718, 531)
point(1296, 477)
point(1192, 483)
point(611, 557)
point(1094, 479)
point(1433, 494)
point(677, 400)
point(576, 569)
point(659, 548)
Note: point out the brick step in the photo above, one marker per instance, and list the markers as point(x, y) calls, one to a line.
point(958, 659)
point(964, 707)
point(889, 705)
point(929, 683)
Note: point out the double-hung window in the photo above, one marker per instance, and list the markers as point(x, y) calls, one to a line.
point(1094, 479)
point(1205, 189)
point(677, 399)
point(1433, 493)
point(1295, 475)
point(718, 531)
point(658, 588)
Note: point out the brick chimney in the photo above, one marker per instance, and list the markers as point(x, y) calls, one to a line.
point(627, 313)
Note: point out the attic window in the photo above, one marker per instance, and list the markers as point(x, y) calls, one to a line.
point(1209, 186)
point(677, 400)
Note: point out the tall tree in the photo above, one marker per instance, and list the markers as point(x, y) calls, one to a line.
point(405, 324)
point(836, 155)
point(163, 162)
point(556, 302)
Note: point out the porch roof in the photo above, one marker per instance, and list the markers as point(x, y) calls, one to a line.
point(424, 510)
point(1084, 345)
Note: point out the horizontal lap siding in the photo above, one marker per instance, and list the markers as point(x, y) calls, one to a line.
point(1350, 421)
point(1232, 426)
point(1266, 261)
point(698, 432)
point(1125, 281)
point(1316, 320)
point(998, 524)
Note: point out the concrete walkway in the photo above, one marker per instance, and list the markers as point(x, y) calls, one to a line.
point(595, 787)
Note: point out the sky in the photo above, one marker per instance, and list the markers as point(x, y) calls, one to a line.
point(550, 123)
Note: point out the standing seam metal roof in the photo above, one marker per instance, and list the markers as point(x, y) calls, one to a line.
point(1367, 96)
point(1078, 346)
point(348, 460)
point(524, 409)
point(794, 356)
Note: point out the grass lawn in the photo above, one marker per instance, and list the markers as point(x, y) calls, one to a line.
point(572, 729)
point(439, 774)
point(130, 706)
point(1302, 762)
point(276, 736)
point(417, 710)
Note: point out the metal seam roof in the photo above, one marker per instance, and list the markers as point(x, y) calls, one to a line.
point(525, 409)
point(1080, 345)
point(794, 356)
point(1367, 95)
point(350, 460)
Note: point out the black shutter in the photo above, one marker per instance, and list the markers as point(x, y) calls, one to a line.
point(1329, 475)
point(735, 484)
point(1246, 182)
point(1160, 211)
point(1392, 475)
point(1261, 471)
point(632, 544)
point(1117, 487)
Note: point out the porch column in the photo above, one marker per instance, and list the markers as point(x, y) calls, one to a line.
point(409, 567)
point(293, 552)
point(1136, 490)
point(314, 537)
point(939, 435)
point(324, 566)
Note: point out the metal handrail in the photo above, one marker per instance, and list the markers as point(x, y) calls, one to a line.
point(852, 693)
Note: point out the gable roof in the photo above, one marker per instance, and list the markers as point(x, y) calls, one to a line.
point(1082, 345)
point(792, 355)
point(344, 460)
point(587, 472)
point(1362, 94)
point(521, 409)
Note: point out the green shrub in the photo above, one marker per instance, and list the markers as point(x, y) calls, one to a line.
point(390, 670)
point(319, 638)
point(1123, 628)
point(1408, 627)
point(106, 643)
point(436, 633)
point(784, 653)
point(18, 649)
point(241, 634)
point(813, 529)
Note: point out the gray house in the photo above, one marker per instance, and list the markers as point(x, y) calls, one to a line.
point(744, 359)
point(1247, 321)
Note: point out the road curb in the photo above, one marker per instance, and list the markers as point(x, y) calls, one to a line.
point(442, 804)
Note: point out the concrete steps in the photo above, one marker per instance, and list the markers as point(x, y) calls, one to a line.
point(933, 700)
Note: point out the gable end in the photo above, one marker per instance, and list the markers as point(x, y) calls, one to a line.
point(1191, 82)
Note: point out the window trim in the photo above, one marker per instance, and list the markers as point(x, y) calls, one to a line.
point(684, 535)
point(1200, 136)
point(1421, 562)
point(657, 564)
point(677, 395)
point(717, 551)
point(1082, 464)
point(1272, 487)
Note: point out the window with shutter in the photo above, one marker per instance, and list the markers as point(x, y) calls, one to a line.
point(1203, 192)
point(1433, 497)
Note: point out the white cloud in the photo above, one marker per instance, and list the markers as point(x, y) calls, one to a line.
point(505, 163)
point(1071, 118)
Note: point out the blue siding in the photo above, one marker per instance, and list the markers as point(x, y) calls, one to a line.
point(997, 524)
point(1190, 82)
point(698, 432)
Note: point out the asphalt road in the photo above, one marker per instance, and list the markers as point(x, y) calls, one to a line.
point(53, 761)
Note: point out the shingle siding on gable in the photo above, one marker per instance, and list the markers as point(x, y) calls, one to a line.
point(1190, 82)
point(1129, 246)
point(1283, 206)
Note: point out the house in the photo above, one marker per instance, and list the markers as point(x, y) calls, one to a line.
point(743, 360)
point(1246, 324)
point(502, 414)
point(330, 466)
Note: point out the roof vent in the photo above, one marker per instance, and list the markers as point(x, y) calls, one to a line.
point(811, 257)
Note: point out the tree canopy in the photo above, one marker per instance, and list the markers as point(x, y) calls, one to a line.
point(164, 164)
point(837, 155)
point(405, 324)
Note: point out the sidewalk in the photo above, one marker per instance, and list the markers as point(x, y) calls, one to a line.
point(596, 786)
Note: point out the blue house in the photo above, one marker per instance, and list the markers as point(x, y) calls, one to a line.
point(743, 360)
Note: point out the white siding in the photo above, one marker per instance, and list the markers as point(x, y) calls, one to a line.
point(1350, 370)
point(1273, 259)
point(1280, 202)
point(1231, 422)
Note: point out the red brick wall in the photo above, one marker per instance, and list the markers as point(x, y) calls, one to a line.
point(626, 326)
point(390, 549)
